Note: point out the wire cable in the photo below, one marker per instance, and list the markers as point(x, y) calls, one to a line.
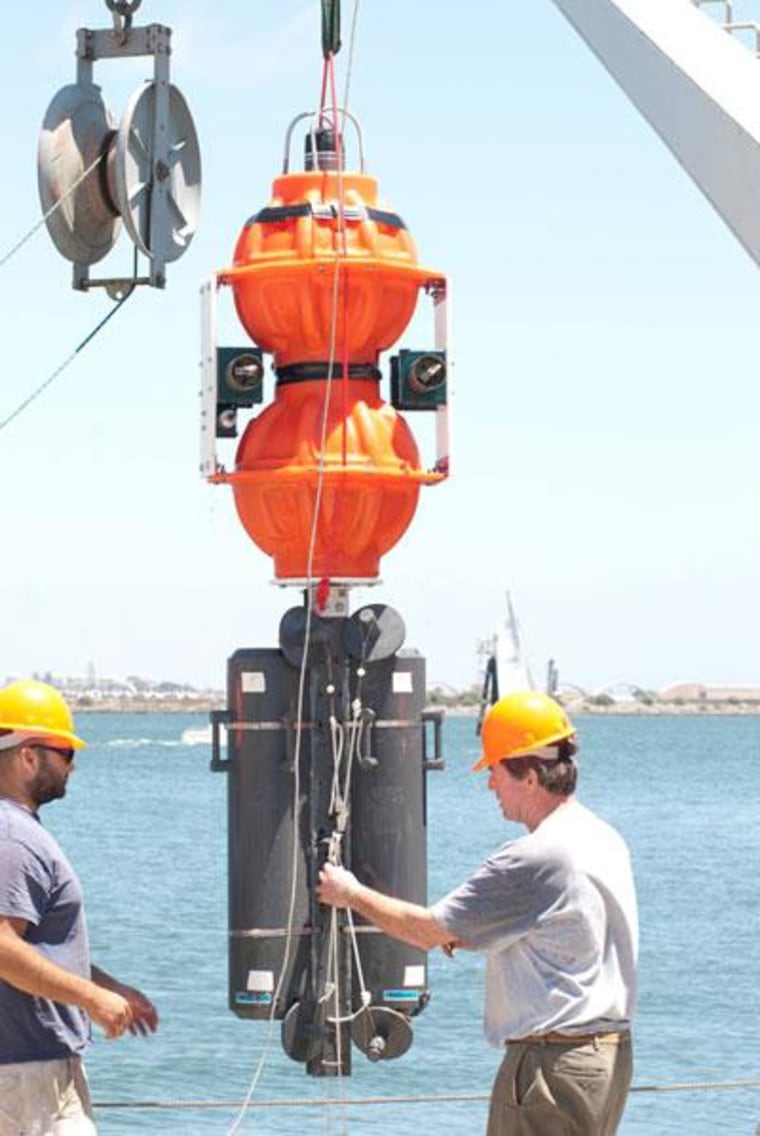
point(53, 209)
point(350, 65)
point(418, 1098)
point(66, 362)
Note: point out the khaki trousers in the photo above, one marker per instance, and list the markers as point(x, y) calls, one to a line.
point(45, 1098)
point(561, 1090)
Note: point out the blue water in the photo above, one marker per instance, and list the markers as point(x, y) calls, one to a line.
point(144, 823)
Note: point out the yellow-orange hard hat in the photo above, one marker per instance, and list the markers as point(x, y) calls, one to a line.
point(522, 723)
point(30, 709)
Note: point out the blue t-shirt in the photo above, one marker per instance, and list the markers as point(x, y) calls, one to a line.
point(38, 884)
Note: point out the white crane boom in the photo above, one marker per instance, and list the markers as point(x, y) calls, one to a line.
point(698, 86)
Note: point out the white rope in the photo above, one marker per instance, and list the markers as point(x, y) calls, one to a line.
point(355, 734)
point(339, 256)
point(337, 800)
point(342, 809)
point(338, 1023)
point(366, 997)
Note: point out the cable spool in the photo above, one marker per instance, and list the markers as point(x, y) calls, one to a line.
point(75, 135)
point(157, 199)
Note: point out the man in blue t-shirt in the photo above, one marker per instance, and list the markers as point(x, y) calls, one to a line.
point(554, 913)
point(49, 990)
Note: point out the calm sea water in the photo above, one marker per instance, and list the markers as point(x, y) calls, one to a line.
point(144, 823)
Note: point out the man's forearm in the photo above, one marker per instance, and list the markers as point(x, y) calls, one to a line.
point(26, 969)
point(409, 922)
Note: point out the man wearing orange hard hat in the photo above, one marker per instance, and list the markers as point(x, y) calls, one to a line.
point(49, 991)
point(555, 914)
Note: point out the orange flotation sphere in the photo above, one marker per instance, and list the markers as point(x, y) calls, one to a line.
point(325, 278)
point(319, 223)
point(369, 468)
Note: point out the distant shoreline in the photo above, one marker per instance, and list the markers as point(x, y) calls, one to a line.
point(703, 709)
point(149, 706)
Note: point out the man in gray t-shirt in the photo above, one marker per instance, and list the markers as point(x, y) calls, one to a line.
point(49, 990)
point(38, 886)
point(555, 914)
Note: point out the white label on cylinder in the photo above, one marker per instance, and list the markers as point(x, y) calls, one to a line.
point(402, 682)
point(414, 976)
point(253, 682)
point(260, 980)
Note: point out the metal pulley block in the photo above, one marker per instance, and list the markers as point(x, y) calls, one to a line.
point(145, 171)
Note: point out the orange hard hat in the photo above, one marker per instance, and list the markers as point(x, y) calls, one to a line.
point(522, 723)
point(31, 709)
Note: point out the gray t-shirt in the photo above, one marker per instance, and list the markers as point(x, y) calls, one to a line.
point(38, 884)
point(555, 914)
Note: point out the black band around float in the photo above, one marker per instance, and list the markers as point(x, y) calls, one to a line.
point(316, 371)
point(274, 214)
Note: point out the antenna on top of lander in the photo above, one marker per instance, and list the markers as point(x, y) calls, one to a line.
point(145, 171)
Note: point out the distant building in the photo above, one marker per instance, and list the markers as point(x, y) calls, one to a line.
point(700, 692)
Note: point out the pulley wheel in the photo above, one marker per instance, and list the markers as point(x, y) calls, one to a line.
point(380, 1033)
point(157, 173)
point(302, 1028)
point(373, 633)
point(76, 131)
point(322, 633)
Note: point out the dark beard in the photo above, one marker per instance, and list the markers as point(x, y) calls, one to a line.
point(47, 785)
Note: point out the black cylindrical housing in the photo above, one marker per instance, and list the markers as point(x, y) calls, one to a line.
point(388, 827)
point(321, 150)
point(262, 695)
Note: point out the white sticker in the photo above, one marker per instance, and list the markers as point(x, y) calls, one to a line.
point(253, 682)
point(260, 980)
point(414, 976)
point(402, 682)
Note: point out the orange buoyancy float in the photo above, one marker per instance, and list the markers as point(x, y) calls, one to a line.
point(368, 466)
point(289, 299)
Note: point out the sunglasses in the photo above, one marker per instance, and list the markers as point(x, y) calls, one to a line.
point(66, 754)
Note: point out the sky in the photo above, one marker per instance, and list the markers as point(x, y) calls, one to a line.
point(606, 400)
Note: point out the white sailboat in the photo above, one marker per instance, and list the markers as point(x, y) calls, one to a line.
point(507, 666)
point(511, 660)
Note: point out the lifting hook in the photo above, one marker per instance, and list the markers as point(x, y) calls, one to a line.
point(122, 12)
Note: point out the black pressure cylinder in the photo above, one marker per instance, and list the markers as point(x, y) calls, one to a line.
point(388, 827)
point(261, 744)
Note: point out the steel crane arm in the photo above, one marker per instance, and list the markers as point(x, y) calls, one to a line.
point(698, 86)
